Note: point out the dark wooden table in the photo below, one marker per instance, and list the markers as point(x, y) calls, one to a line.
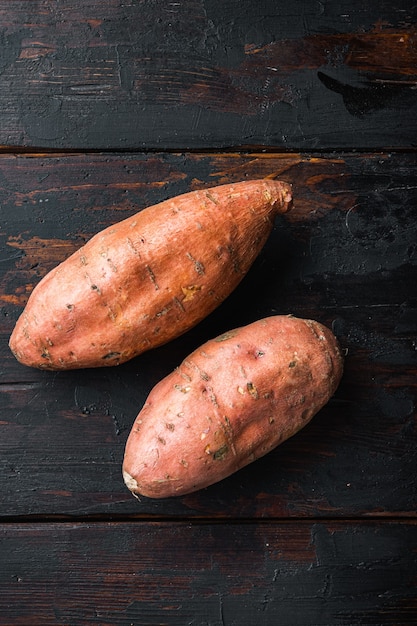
point(107, 107)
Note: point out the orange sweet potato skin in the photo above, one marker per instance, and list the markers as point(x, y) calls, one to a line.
point(148, 279)
point(230, 402)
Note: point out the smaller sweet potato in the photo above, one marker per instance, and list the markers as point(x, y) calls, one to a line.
point(230, 402)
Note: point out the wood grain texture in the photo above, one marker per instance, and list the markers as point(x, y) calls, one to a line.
point(326, 574)
point(197, 74)
point(345, 255)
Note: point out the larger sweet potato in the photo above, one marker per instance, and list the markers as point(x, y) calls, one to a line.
point(148, 279)
point(231, 401)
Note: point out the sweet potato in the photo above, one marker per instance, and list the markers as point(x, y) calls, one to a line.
point(148, 279)
point(230, 402)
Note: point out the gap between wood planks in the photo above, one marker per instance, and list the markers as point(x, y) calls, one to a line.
point(230, 151)
point(383, 518)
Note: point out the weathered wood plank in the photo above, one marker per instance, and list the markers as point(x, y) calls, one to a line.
point(326, 574)
point(62, 446)
point(196, 74)
point(346, 256)
point(362, 204)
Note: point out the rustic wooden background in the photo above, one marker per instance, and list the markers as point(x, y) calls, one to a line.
point(107, 107)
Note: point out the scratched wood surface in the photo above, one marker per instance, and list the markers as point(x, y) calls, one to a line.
point(106, 108)
point(208, 73)
point(148, 574)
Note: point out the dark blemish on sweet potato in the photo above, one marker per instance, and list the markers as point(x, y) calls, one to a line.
point(179, 304)
point(152, 277)
point(111, 355)
point(221, 453)
point(112, 265)
point(252, 390)
point(211, 197)
point(199, 267)
point(225, 336)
